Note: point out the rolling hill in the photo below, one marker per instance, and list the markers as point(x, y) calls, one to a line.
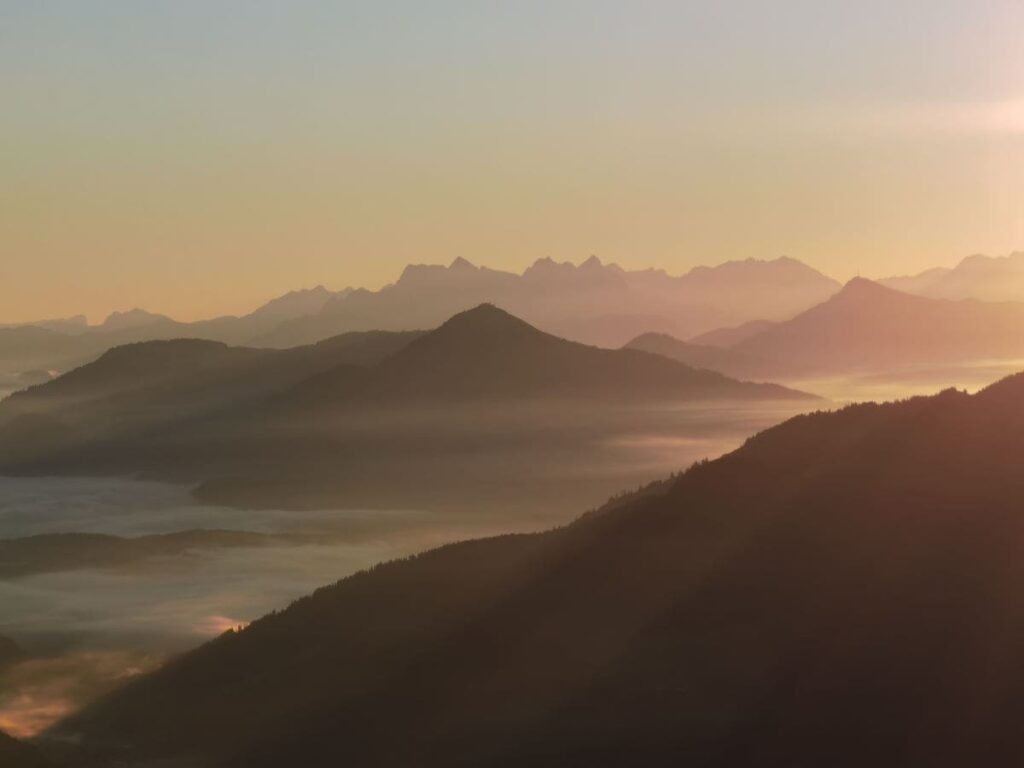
point(842, 591)
point(149, 384)
point(720, 359)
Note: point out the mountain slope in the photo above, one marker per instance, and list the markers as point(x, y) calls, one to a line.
point(840, 591)
point(870, 327)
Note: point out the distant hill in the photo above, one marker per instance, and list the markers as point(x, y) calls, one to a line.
point(985, 278)
point(142, 386)
point(75, 324)
point(723, 360)
point(867, 326)
point(29, 346)
point(842, 591)
point(487, 354)
point(730, 337)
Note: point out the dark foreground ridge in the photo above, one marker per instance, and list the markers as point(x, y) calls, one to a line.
point(844, 590)
point(17, 754)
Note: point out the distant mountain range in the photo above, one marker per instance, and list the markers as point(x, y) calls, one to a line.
point(592, 302)
point(866, 327)
point(841, 591)
point(985, 278)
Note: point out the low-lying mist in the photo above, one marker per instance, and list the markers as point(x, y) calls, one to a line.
point(88, 629)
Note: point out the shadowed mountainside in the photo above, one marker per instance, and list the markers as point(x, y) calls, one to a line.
point(840, 591)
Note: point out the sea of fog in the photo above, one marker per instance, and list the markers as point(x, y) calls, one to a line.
point(89, 629)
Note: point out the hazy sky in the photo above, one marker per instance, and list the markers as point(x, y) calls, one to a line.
point(197, 156)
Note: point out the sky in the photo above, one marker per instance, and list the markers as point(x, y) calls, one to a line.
point(198, 157)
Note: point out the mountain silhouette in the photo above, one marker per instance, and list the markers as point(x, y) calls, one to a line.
point(488, 354)
point(842, 591)
point(591, 302)
point(867, 326)
point(985, 278)
point(133, 318)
